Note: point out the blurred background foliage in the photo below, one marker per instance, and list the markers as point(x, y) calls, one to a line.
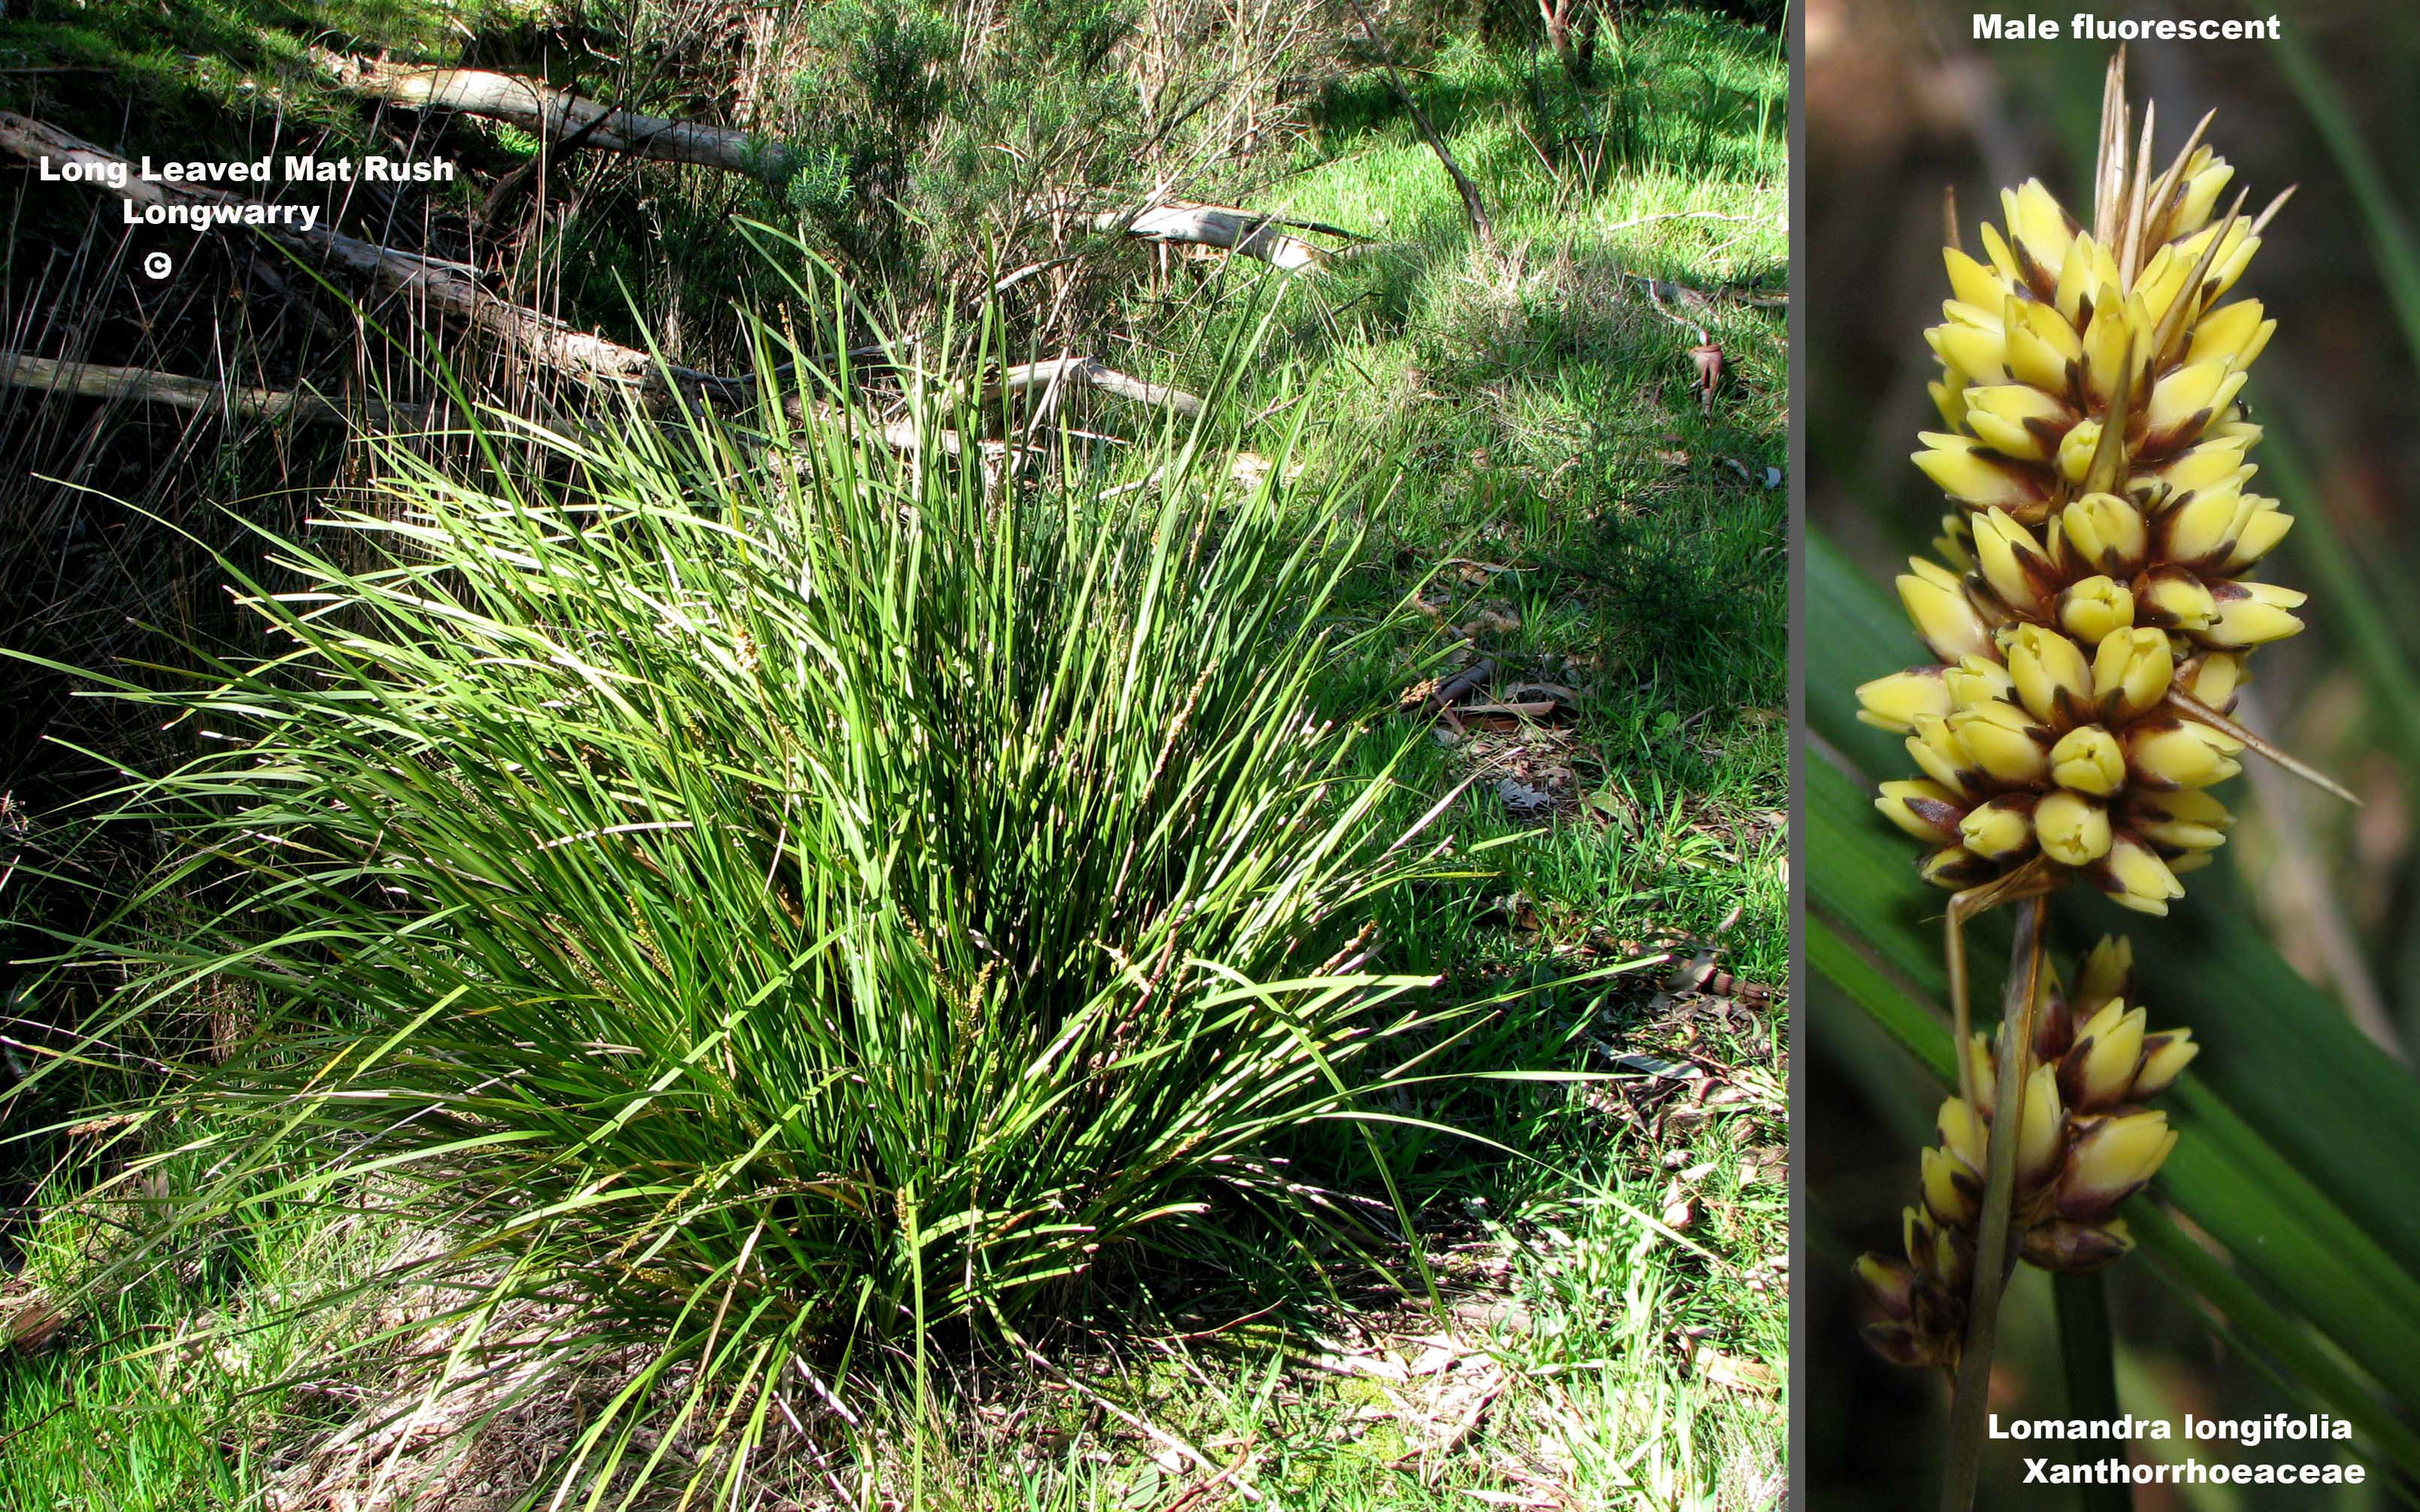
point(2294, 958)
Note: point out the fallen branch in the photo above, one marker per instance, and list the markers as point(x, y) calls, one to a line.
point(1242, 232)
point(1061, 371)
point(96, 380)
point(554, 115)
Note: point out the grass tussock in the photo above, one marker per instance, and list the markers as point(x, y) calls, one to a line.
point(765, 898)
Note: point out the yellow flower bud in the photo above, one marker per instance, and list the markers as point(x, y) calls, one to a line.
point(2108, 1050)
point(2131, 673)
point(1944, 617)
point(2087, 760)
point(1961, 1131)
point(2105, 532)
point(2173, 598)
point(2076, 447)
point(1894, 701)
point(2188, 399)
point(1965, 347)
point(2012, 562)
point(1945, 1197)
point(1941, 754)
point(2112, 1161)
point(2262, 528)
point(2004, 743)
point(2253, 613)
point(2214, 677)
point(2002, 830)
point(2188, 821)
point(2180, 753)
point(2042, 1139)
point(2017, 419)
point(1971, 283)
point(2133, 875)
point(1966, 472)
point(2095, 608)
point(1927, 810)
point(2104, 973)
point(2164, 1058)
point(2073, 829)
point(2197, 197)
point(2206, 464)
point(2232, 334)
point(2041, 344)
point(1975, 680)
point(1889, 1284)
point(2051, 675)
point(2203, 528)
point(1955, 867)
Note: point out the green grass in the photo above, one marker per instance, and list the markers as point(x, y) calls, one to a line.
point(1548, 416)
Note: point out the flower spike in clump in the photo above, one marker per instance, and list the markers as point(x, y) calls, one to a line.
point(2086, 1143)
point(2093, 611)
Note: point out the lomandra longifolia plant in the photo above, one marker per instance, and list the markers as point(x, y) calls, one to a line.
point(2093, 609)
point(758, 898)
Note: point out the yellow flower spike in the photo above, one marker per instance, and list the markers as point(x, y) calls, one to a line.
point(2108, 1052)
point(1977, 680)
point(2114, 1160)
point(2180, 753)
point(2233, 335)
point(2017, 418)
point(1940, 754)
point(2164, 1058)
point(2004, 744)
point(2187, 821)
point(2000, 832)
point(2042, 1139)
point(2261, 529)
point(1894, 701)
point(1927, 810)
point(2106, 532)
point(2072, 829)
point(2012, 562)
point(1944, 616)
point(2133, 875)
point(2131, 673)
point(2252, 615)
point(2076, 448)
point(2087, 760)
point(2173, 598)
point(2104, 974)
point(1961, 1131)
point(1944, 1196)
point(2094, 609)
point(2052, 679)
point(1965, 470)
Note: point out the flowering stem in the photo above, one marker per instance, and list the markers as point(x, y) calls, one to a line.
point(2090, 1357)
point(1971, 1389)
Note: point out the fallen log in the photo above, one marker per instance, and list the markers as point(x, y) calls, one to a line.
point(1090, 373)
point(553, 115)
point(1217, 226)
point(449, 289)
point(97, 381)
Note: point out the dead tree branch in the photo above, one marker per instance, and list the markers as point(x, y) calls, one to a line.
point(95, 381)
